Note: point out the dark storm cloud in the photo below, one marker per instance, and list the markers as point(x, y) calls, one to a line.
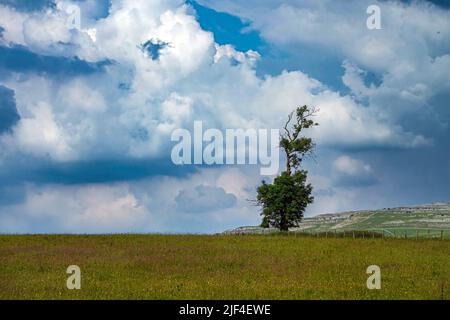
point(95, 171)
point(8, 111)
point(20, 59)
point(11, 194)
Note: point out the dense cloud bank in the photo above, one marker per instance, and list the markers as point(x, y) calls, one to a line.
point(86, 113)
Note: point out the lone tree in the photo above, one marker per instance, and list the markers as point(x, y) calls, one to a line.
point(284, 201)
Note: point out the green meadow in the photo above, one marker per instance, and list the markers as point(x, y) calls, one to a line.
point(221, 267)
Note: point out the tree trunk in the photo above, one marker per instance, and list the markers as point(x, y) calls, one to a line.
point(284, 222)
point(288, 163)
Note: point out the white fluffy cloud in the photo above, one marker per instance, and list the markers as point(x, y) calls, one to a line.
point(409, 32)
point(409, 54)
point(193, 79)
point(91, 208)
point(40, 135)
point(350, 166)
point(210, 200)
point(352, 172)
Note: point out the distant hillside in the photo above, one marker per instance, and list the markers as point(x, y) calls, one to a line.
point(390, 220)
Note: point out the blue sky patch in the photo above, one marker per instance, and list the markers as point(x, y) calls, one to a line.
point(153, 48)
point(28, 5)
point(227, 29)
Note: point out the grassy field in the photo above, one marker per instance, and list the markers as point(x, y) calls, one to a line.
point(221, 267)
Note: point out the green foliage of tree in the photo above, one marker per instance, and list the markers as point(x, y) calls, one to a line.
point(284, 201)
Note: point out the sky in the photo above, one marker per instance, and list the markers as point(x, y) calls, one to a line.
point(88, 105)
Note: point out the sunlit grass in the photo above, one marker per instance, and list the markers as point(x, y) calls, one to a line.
point(221, 267)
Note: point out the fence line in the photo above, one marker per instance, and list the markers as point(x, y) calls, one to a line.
point(413, 234)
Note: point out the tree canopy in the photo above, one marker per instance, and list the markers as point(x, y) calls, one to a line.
point(284, 200)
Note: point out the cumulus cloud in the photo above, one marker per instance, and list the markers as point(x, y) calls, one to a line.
point(76, 209)
point(214, 204)
point(204, 198)
point(352, 172)
point(408, 55)
point(41, 136)
point(131, 108)
point(225, 191)
point(342, 26)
